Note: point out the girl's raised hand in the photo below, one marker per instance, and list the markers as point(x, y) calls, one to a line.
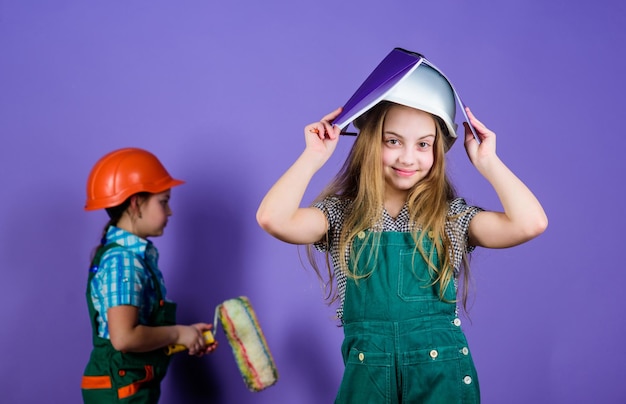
point(321, 137)
point(479, 153)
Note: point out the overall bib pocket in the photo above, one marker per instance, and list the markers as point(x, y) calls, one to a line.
point(413, 286)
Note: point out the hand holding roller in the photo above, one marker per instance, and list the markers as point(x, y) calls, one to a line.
point(172, 349)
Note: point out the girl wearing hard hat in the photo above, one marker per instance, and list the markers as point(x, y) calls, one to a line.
point(131, 319)
point(397, 233)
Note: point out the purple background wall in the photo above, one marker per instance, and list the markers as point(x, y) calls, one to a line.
point(221, 92)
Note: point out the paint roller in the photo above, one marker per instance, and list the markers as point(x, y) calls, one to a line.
point(247, 341)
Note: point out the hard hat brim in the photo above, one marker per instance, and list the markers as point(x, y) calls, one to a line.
point(118, 199)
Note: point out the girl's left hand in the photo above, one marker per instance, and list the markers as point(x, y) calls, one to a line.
point(479, 154)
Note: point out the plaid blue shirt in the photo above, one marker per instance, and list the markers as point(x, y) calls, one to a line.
point(122, 278)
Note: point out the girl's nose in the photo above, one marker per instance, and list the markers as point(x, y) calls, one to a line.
point(407, 156)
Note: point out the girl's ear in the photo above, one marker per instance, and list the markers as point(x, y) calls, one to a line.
point(134, 207)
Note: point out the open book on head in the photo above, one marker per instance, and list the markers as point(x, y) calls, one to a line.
point(409, 79)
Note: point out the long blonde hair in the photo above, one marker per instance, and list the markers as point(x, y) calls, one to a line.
point(361, 181)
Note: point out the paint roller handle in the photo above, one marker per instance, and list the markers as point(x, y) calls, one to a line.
point(175, 348)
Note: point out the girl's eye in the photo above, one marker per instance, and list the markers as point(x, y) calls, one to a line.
point(392, 142)
point(423, 145)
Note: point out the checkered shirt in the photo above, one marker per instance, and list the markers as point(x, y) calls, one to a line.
point(334, 208)
point(122, 278)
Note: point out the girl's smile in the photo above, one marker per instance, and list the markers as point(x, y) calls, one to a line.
point(404, 173)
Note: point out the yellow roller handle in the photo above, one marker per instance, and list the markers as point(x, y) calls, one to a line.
point(172, 349)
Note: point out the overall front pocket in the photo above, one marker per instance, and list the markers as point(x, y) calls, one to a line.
point(129, 380)
point(367, 378)
point(440, 374)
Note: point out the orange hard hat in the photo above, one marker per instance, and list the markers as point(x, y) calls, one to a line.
point(123, 173)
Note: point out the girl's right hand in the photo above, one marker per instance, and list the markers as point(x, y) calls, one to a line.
point(321, 137)
point(191, 337)
point(280, 213)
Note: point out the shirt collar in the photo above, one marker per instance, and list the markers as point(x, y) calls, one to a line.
point(403, 215)
point(124, 238)
point(388, 223)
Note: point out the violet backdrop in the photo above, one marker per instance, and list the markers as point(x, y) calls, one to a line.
point(220, 91)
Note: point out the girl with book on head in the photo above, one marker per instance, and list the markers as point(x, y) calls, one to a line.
point(132, 322)
point(398, 236)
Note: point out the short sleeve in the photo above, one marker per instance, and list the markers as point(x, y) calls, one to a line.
point(121, 279)
point(460, 214)
point(323, 244)
point(333, 208)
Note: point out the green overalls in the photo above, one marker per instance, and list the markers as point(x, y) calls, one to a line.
point(402, 343)
point(112, 376)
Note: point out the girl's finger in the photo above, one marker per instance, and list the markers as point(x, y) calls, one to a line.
point(317, 129)
point(475, 121)
point(323, 129)
point(481, 130)
point(330, 117)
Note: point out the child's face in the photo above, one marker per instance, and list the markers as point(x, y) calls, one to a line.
point(154, 214)
point(407, 150)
